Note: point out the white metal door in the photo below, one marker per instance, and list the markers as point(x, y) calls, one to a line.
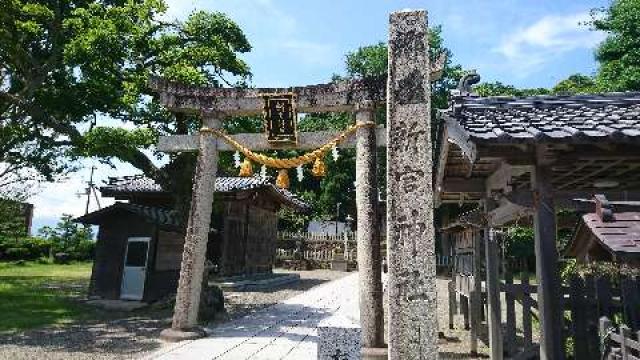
point(135, 269)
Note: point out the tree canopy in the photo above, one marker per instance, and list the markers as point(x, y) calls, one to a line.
point(619, 53)
point(65, 64)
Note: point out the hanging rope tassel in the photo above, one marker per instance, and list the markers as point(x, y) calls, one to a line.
point(319, 168)
point(282, 181)
point(246, 169)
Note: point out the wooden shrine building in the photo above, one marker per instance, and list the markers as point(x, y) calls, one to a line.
point(523, 156)
point(609, 232)
point(140, 241)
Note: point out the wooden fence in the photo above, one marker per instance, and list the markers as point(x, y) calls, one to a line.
point(519, 296)
point(310, 237)
point(320, 255)
point(324, 247)
point(584, 301)
point(618, 344)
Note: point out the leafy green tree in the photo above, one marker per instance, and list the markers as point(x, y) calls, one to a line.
point(12, 221)
point(576, 84)
point(372, 61)
point(499, 89)
point(619, 54)
point(69, 237)
point(65, 63)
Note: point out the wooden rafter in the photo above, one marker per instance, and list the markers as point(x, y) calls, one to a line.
point(589, 175)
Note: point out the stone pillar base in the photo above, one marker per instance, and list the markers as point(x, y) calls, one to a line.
point(173, 335)
point(375, 353)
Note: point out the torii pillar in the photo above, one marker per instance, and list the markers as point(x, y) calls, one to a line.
point(185, 313)
point(369, 259)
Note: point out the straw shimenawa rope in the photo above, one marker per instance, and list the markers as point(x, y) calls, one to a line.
point(289, 163)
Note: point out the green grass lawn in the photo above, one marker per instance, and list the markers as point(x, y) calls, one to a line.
point(34, 295)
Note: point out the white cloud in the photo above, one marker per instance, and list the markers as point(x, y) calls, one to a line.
point(271, 30)
point(529, 48)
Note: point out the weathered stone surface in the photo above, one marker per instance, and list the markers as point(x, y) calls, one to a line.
point(258, 141)
point(375, 353)
point(338, 338)
point(369, 262)
point(336, 96)
point(173, 335)
point(410, 234)
point(195, 247)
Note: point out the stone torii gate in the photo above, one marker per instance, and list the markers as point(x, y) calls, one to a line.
point(410, 237)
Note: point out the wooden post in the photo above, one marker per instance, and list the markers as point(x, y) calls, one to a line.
point(368, 245)
point(451, 286)
point(590, 315)
point(579, 323)
point(185, 316)
point(625, 335)
point(476, 295)
point(493, 294)
point(549, 305)
point(510, 303)
point(526, 312)
point(630, 300)
point(464, 308)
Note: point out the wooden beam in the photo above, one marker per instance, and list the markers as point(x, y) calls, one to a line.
point(565, 198)
point(571, 174)
point(549, 302)
point(258, 141)
point(508, 212)
point(459, 136)
point(463, 185)
point(590, 175)
point(442, 163)
point(561, 153)
point(500, 180)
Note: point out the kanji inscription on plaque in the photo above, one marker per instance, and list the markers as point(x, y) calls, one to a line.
point(280, 118)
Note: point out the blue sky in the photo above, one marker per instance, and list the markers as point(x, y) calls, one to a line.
point(533, 43)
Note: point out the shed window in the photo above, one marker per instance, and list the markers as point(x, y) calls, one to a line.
point(137, 254)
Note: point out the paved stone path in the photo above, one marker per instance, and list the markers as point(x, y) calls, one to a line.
point(287, 330)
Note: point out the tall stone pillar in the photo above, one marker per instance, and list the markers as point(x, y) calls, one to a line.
point(369, 261)
point(185, 315)
point(410, 234)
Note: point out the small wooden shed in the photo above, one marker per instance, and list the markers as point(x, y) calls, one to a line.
point(611, 232)
point(140, 242)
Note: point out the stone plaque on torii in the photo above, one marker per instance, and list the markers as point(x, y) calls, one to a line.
point(412, 287)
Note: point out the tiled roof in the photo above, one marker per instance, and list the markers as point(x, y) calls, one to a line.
point(154, 215)
point(621, 235)
point(141, 184)
point(548, 118)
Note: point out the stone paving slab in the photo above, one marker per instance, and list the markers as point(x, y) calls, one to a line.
point(287, 330)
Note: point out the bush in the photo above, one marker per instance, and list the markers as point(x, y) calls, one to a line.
point(74, 240)
point(597, 269)
point(29, 248)
point(16, 253)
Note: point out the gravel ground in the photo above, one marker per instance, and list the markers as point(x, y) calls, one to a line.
point(455, 343)
point(135, 335)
